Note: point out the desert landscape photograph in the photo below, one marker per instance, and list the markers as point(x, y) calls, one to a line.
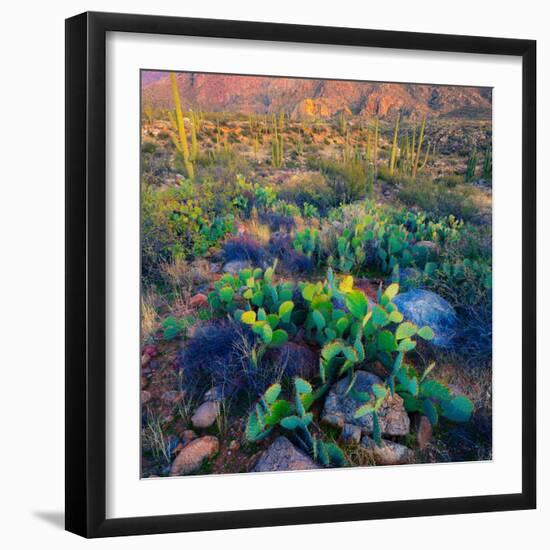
point(316, 274)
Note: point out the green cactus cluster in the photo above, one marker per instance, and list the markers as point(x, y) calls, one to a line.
point(310, 211)
point(392, 235)
point(350, 333)
point(294, 418)
point(431, 397)
point(308, 242)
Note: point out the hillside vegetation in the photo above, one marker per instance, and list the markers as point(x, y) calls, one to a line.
point(317, 278)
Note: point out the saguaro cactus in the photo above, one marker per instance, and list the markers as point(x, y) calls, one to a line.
point(375, 146)
point(416, 154)
point(180, 141)
point(488, 165)
point(393, 155)
point(276, 145)
point(472, 165)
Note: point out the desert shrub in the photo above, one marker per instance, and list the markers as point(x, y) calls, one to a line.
point(348, 181)
point(264, 196)
point(277, 221)
point(439, 200)
point(309, 188)
point(175, 226)
point(310, 211)
point(220, 354)
point(285, 208)
point(451, 180)
point(295, 360)
point(281, 246)
point(244, 248)
point(155, 164)
point(148, 147)
point(223, 165)
point(279, 243)
point(397, 178)
point(294, 262)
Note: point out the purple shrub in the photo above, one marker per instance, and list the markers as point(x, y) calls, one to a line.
point(277, 222)
point(280, 246)
point(296, 360)
point(294, 262)
point(244, 248)
point(219, 355)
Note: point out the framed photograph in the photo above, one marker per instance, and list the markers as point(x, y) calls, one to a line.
point(300, 274)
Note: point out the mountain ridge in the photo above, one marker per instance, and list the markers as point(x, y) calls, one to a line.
point(313, 98)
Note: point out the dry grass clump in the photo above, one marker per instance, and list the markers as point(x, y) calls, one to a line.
point(255, 228)
point(186, 276)
point(357, 455)
point(150, 320)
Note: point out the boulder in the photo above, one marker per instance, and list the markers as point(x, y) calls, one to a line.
point(282, 455)
point(351, 433)
point(389, 453)
point(205, 415)
point(340, 408)
point(423, 307)
point(233, 267)
point(192, 456)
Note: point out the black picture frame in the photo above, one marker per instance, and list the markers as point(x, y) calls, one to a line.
point(86, 274)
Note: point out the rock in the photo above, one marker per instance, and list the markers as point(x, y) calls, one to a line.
point(233, 267)
point(351, 433)
point(339, 408)
point(179, 448)
point(205, 415)
point(283, 455)
point(191, 457)
point(187, 436)
point(199, 301)
point(423, 307)
point(424, 432)
point(389, 453)
point(145, 397)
